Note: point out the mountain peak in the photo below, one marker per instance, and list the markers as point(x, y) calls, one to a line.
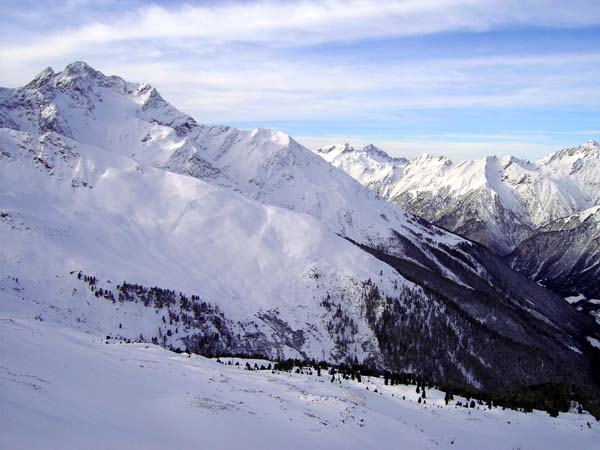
point(376, 151)
point(346, 147)
point(80, 67)
point(589, 148)
point(40, 79)
point(78, 73)
point(80, 70)
point(337, 148)
point(426, 157)
point(381, 155)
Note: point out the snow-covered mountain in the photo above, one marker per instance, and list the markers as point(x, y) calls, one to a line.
point(497, 201)
point(564, 255)
point(121, 215)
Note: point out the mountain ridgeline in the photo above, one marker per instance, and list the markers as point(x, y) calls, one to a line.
point(222, 241)
point(526, 211)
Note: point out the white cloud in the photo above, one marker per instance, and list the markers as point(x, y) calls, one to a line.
point(259, 61)
point(302, 23)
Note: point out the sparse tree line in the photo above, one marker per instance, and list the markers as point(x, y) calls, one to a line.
point(550, 397)
point(200, 326)
point(203, 329)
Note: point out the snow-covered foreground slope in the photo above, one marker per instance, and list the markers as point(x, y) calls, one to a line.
point(495, 201)
point(564, 255)
point(120, 214)
point(66, 389)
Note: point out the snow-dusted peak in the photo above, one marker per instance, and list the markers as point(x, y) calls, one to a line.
point(81, 69)
point(369, 154)
point(78, 76)
point(40, 79)
point(346, 147)
point(513, 160)
point(147, 95)
point(266, 135)
point(567, 155)
point(381, 156)
point(430, 157)
point(327, 149)
point(332, 152)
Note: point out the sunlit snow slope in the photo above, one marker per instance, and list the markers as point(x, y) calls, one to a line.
point(66, 389)
point(120, 214)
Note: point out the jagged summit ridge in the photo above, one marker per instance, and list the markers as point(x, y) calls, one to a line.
point(494, 200)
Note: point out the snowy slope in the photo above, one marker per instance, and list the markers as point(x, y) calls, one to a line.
point(79, 208)
point(67, 389)
point(288, 255)
point(495, 201)
point(134, 120)
point(564, 255)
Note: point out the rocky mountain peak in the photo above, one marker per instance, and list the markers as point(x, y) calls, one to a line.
point(81, 68)
point(40, 79)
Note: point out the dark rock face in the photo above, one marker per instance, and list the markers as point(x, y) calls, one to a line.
point(477, 215)
point(563, 256)
point(468, 336)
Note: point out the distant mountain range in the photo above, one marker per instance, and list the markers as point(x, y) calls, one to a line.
point(510, 205)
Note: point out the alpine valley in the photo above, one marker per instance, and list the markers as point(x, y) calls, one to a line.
point(541, 217)
point(121, 216)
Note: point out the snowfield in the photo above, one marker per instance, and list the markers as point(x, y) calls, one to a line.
point(63, 389)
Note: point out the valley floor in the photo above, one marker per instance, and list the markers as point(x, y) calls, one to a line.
point(65, 389)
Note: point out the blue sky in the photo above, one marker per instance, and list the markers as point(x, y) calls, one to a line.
point(462, 78)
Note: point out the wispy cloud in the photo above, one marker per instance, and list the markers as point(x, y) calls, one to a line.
point(276, 61)
point(306, 22)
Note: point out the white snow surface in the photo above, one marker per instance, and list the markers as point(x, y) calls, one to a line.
point(103, 176)
point(66, 389)
point(594, 342)
point(575, 298)
point(157, 228)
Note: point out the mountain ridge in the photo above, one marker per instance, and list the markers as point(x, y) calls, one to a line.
point(497, 201)
point(121, 185)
